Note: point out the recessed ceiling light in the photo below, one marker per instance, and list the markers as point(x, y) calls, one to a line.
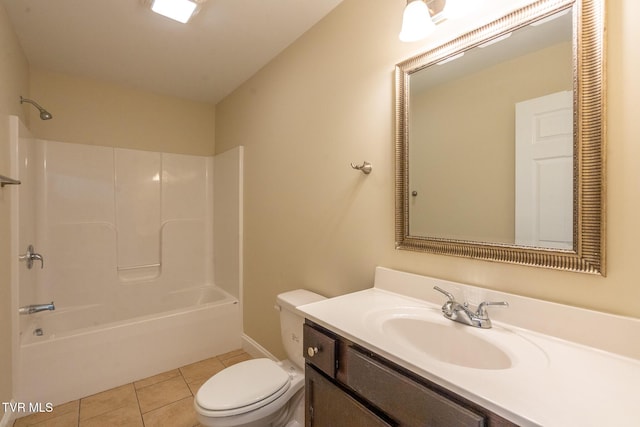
point(178, 10)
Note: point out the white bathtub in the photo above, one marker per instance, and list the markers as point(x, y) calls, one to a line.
point(87, 349)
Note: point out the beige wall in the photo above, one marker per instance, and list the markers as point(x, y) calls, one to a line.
point(88, 111)
point(14, 81)
point(462, 145)
point(312, 222)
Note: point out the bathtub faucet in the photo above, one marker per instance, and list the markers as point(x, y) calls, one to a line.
point(36, 308)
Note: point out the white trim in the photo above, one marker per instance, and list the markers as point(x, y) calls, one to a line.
point(241, 233)
point(8, 418)
point(254, 349)
point(16, 128)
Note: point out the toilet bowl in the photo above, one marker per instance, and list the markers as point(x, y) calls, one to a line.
point(261, 392)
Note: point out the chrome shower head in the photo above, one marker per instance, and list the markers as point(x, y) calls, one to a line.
point(44, 114)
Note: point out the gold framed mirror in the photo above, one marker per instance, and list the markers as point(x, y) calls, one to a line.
point(482, 194)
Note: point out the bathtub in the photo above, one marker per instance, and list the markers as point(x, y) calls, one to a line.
point(74, 352)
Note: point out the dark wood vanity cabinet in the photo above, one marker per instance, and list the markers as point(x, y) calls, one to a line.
point(349, 386)
point(328, 405)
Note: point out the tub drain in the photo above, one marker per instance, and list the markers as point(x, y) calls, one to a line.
point(38, 332)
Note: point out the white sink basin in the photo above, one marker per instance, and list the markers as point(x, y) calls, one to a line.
point(426, 333)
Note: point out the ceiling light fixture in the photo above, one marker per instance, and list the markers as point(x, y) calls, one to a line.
point(178, 10)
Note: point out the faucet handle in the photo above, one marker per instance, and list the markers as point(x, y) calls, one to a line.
point(30, 256)
point(448, 294)
point(482, 308)
point(447, 308)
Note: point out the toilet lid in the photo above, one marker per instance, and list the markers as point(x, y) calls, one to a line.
point(246, 385)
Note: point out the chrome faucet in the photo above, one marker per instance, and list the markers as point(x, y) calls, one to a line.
point(36, 308)
point(461, 313)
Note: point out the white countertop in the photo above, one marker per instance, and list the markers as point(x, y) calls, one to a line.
point(553, 381)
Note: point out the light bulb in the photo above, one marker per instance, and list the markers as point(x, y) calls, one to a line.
point(178, 10)
point(416, 22)
point(454, 9)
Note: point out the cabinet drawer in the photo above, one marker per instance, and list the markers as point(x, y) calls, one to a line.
point(320, 350)
point(404, 400)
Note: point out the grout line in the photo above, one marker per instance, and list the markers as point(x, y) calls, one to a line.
point(138, 402)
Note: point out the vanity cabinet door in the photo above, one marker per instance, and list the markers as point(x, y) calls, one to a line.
point(329, 406)
point(403, 399)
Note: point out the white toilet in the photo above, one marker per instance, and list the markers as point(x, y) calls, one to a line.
point(261, 392)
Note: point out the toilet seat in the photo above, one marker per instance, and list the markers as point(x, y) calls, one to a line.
point(243, 387)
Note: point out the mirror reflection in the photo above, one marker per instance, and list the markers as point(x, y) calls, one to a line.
point(491, 140)
point(500, 152)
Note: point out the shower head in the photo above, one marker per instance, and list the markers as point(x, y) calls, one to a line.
point(44, 114)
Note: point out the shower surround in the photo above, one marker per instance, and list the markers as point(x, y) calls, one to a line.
point(127, 238)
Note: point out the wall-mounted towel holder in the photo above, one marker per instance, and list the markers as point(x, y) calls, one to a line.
point(5, 180)
point(365, 167)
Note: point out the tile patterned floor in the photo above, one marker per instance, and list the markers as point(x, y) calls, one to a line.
point(165, 399)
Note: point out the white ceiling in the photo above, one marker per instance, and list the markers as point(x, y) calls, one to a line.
point(122, 41)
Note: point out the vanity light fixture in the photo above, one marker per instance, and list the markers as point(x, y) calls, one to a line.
point(421, 16)
point(178, 10)
point(454, 9)
point(416, 21)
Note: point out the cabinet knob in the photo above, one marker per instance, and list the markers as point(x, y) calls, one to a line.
point(312, 351)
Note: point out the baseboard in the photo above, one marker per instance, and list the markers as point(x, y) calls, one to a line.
point(254, 349)
point(8, 418)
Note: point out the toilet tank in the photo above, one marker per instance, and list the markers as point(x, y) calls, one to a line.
point(291, 321)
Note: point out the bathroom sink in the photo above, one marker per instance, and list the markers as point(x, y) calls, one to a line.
point(447, 343)
point(424, 332)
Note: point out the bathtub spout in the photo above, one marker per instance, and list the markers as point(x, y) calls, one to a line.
point(36, 308)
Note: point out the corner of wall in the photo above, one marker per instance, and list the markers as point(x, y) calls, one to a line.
point(14, 81)
point(252, 347)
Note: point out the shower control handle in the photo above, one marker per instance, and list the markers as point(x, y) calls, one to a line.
point(32, 256)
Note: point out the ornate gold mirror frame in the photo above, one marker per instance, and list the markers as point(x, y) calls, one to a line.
point(588, 254)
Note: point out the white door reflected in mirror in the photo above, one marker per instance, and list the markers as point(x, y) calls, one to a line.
point(544, 171)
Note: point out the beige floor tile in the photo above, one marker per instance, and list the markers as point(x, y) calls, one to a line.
point(107, 401)
point(156, 379)
point(177, 414)
point(195, 385)
point(66, 420)
point(227, 360)
point(162, 393)
point(126, 416)
point(58, 411)
point(204, 369)
point(165, 399)
point(236, 359)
